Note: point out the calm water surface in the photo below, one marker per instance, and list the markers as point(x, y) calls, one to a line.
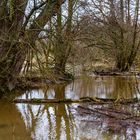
point(65, 121)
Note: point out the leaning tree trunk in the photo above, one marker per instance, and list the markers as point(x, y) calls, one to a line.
point(14, 35)
point(11, 54)
point(124, 33)
point(125, 59)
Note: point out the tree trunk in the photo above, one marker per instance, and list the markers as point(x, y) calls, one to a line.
point(12, 55)
point(14, 39)
point(63, 41)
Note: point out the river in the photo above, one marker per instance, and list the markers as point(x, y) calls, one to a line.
point(68, 121)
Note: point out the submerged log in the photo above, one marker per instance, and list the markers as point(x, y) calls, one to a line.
point(81, 100)
point(34, 100)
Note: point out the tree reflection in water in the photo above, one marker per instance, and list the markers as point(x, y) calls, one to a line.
point(94, 126)
point(49, 121)
point(60, 122)
point(12, 126)
point(105, 87)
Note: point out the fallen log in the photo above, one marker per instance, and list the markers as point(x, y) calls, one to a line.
point(81, 100)
point(35, 100)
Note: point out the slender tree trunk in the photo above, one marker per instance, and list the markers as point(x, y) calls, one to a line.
point(63, 46)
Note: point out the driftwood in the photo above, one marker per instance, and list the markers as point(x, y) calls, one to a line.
point(81, 100)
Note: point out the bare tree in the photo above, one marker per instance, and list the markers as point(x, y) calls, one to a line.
point(117, 23)
point(19, 31)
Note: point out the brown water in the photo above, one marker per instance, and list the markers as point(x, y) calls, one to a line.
point(65, 121)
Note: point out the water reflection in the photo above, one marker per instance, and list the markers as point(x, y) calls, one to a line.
point(106, 87)
point(49, 121)
point(95, 126)
point(59, 122)
point(12, 126)
point(102, 87)
point(69, 121)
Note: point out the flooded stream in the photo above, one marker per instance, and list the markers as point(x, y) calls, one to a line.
point(71, 121)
